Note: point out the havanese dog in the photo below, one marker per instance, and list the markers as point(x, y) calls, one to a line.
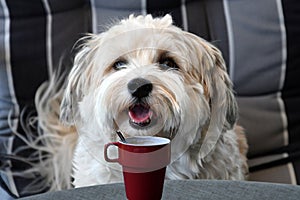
point(143, 76)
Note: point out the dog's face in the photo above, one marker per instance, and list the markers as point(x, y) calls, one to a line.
point(145, 76)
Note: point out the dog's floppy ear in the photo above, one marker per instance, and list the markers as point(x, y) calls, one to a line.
point(78, 79)
point(223, 95)
point(218, 88)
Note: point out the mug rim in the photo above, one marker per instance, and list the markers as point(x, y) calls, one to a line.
point(162, 141)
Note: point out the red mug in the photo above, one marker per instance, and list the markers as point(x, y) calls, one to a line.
point(144, 160)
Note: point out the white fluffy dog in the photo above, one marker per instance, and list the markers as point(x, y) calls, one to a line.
point(143, 76)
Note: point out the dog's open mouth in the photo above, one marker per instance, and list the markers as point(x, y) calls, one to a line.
point(140, 114)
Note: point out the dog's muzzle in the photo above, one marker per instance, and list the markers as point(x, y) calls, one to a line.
point(140, 113)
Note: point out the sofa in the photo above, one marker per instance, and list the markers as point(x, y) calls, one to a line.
point(259, 41)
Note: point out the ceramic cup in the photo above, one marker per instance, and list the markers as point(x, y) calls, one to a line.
point(144, 160)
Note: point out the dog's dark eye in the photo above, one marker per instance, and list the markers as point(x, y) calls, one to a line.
point(119, 64)
point(168, 63)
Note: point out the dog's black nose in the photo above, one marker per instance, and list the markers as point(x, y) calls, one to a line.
point(139, 87)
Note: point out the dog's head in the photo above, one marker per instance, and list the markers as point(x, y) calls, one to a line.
point(145, 76)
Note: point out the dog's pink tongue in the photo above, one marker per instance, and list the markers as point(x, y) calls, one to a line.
point(139, 113)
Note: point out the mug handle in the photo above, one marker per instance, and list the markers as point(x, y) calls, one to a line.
point(106, 149)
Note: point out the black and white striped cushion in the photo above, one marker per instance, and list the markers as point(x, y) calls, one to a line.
point(33, 36)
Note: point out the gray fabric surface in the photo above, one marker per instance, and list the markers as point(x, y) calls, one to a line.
point(259, 64)
point(105, 13)
point(256, 72)
point(257, 47)
point(4, 195)
point(188, 189)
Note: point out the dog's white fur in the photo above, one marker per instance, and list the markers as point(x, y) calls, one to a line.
point(193, 105)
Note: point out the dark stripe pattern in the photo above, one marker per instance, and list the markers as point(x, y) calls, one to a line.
point(27, 19)
point(291, 89)
point(161, 8)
